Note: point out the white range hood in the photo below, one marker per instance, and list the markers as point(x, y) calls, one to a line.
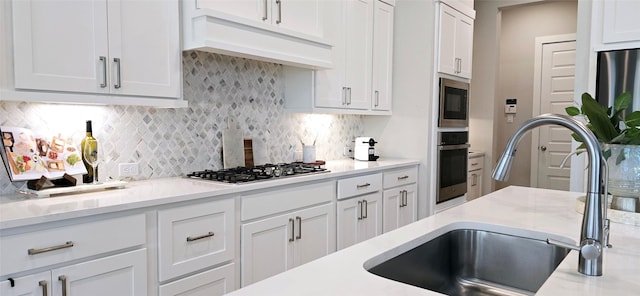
point(214, 30)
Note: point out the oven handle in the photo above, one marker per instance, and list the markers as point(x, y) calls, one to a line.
point(453, 147)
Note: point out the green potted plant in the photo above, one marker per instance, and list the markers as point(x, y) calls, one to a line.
point(619, 135)
point(609, 124)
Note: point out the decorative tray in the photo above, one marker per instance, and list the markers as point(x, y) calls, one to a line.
point(49, 192)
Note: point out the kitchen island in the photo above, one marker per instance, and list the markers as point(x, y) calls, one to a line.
point(548, 211)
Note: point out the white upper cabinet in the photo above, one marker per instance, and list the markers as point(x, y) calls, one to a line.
point(302, 16)
point(455, 42)
point(108, 47)
point(358, 28)
point(620, 22)
point(382, 56)
point(58, 45)
point(145, 36)
point(290, 32)
point(360, 81)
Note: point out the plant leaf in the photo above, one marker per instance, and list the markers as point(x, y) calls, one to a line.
point(606, 154)
point(600, 123)
point(633, 119)
point(622, 101)
point(572, 111)
point(576, 137)
point(620, 157)
point(632, 136)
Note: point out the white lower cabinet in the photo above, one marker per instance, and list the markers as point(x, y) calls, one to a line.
point(399, 207)
point(123, 274)
point(217, 281)
point(400, 197)
point(79, 257)
point(359, 219)
point(276, 244)
point(195, 237)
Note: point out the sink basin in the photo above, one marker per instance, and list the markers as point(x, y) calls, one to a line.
point(481, 260)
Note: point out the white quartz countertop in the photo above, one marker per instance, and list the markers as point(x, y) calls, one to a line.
point(21, 210)
point(547, 211)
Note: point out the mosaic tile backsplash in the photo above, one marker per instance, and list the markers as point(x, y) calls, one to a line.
point(173, 142)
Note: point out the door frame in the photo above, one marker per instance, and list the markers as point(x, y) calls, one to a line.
point(537, 83)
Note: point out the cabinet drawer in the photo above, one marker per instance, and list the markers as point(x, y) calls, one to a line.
point(35, 249)
point(359, 185)
point(286, 199)
point(400, 177)
point(194, 237)
point(213, 282)
point(475, 163)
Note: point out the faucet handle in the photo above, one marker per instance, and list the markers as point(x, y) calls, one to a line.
point(589, 248)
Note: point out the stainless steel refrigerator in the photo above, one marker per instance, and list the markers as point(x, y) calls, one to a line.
point(618, 72)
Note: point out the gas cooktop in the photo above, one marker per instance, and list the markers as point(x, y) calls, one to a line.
point(258, 173)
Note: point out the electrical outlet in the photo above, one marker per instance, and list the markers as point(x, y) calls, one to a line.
point(128, 169)
point(347, 152)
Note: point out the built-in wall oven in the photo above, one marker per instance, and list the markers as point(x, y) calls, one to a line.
point(454, 103)
point(453, 149)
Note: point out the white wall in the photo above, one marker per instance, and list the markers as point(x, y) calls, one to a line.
point(407, 132)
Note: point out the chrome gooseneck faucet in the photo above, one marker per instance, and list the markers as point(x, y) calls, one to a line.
point(593, 232)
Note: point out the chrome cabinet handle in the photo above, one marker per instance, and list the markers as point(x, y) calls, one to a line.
point(45, 287)
point(401, 198)
point(403, 177)
point(32, 251)
point(293, 226)
point(192, 238)
point(63, 279)
point(349, 96)
point(377, 102)
point(543, 148)
point(299, 227)
point(406, 194)
point(366, 209)
point(344, 95)
point(103, 59)
point(359, 208)
point(363, 185)
point(117, 84)
point(265, 16)
point(279, 3)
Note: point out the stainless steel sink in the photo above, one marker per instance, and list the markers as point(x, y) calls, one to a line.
point(473, 262)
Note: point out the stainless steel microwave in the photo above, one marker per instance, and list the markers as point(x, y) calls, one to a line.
point(454, 103)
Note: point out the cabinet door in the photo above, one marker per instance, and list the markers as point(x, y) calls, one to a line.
point(123, 275)
point(348, 221)
point(58, 45)
point(302, 16)
point(392, 200)
point(315, 233)
point(382, 56)
point(218, 281)
point(447, 59)
point(359, 219)
point(408, 213)
point(474, 184)
point(267, 248)
point(358, 33)
point(371, 223)
point(254, 10)
point(144, 48)
point(464, 45)
point(31, 285)
point(620, 22)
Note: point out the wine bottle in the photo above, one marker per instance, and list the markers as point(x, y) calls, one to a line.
point(88, 177)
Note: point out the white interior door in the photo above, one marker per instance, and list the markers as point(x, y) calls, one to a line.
point(557, 72)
